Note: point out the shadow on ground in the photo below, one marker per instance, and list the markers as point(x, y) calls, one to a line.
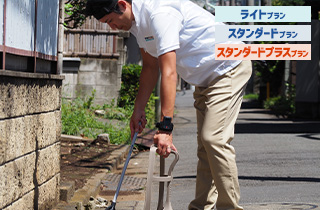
point(274, 124)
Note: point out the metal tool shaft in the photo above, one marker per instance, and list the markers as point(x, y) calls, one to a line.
point(125, 167)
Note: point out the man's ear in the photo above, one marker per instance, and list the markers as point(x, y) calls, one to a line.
point(122, 5)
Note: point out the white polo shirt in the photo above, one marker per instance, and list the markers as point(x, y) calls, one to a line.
point(161, 26)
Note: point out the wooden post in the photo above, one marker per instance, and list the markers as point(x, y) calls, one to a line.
point(60, 37)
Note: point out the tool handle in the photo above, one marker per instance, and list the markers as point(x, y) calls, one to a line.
point(166, 178)
point(125, 167)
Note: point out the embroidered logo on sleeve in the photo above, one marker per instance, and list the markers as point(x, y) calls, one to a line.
point(149, 38)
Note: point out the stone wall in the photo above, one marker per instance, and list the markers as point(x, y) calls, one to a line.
point(30, 128)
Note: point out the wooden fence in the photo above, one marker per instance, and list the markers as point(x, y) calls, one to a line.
point(93, 39)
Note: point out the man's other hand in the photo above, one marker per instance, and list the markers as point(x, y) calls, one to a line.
point(138, 122)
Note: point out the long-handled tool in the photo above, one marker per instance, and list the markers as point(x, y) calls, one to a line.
point(114, 201)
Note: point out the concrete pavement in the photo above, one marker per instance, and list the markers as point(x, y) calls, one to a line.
point(278, 159)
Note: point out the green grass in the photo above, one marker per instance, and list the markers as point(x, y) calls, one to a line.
point(281, 106)
point(78, 119)
point(251, 96)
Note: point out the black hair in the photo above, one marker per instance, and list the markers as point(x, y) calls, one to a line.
point(100, 8)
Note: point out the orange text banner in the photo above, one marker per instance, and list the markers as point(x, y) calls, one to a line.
point(263, 51)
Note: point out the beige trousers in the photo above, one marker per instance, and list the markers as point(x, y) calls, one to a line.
point(217, 108)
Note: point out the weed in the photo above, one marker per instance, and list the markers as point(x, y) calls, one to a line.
point(79, 118)
point(251, 96)
point(283, 105)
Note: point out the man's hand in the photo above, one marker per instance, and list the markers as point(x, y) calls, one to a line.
point(163, 140)
point(136, 118)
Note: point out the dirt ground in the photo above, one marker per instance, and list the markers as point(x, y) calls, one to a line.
point(81, 160)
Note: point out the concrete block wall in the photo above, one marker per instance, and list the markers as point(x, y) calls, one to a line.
point(30, 128)
point(103, 75)
point(100, 74)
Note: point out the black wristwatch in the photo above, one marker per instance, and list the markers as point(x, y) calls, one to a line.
point(165, 125)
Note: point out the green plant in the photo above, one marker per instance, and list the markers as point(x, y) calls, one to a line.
point(78, 116)
point(89, 100)
point(251, 96)
point(79, 119)
point(283, 105)
point(270, 71)
point(129, 89)
point(150, 111)
point(115, 112)
point(288, 2)
point(129, 85)
point(271, 102)
point(118, 134)
point(74, 13)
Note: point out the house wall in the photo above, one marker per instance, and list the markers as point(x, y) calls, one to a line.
point(308, 78)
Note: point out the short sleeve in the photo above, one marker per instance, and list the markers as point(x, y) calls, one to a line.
point(166, 25)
